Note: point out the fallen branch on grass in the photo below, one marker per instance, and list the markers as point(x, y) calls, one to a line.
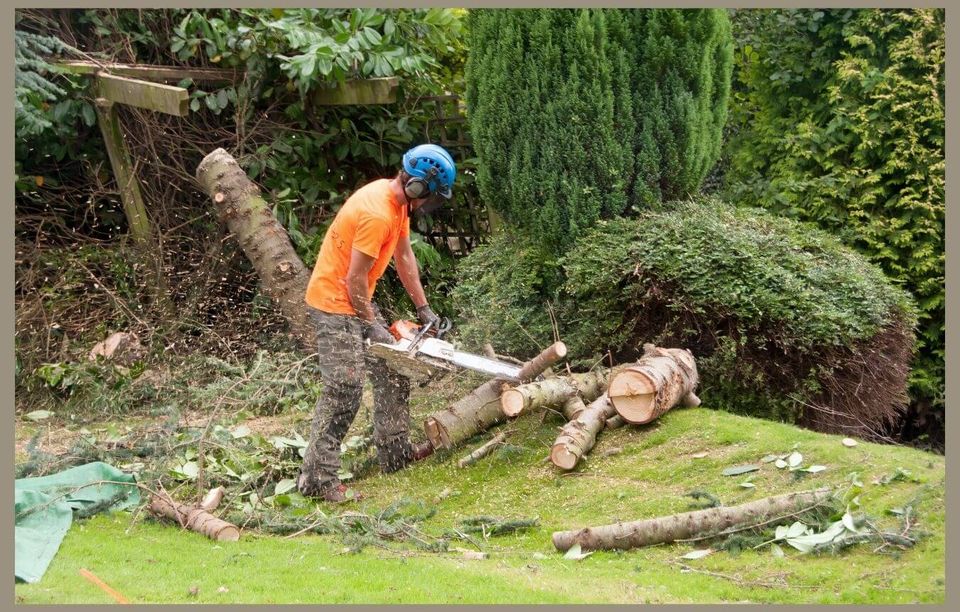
point(480, 410)
point(483, 450)
point(196, 518)
point(688, 524)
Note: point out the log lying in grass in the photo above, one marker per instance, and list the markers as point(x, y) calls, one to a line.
point(553, 392)
point(580, 434)
point(196, 518)
point(687, 525)
point(480, 409)
point(661, 378)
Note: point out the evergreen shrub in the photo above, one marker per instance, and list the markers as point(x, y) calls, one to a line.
point(785, 321)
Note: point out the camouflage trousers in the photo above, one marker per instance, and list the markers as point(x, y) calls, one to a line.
point(343, 361)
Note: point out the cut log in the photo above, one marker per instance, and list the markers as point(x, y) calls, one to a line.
point(661, 378)
point(483, 450)
point(195, 518)
point(553, 392)
point(698, 523)
point(580, 434)
point(480, 409)
point(549, 356)
point(264, 241)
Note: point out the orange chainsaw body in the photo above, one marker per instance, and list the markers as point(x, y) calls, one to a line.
point(404, 329)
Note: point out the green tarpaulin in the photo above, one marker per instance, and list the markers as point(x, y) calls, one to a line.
point(44, 509)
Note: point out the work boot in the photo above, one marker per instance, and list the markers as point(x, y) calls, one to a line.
point(309, 486)
point(339, 494)
point(422, 451)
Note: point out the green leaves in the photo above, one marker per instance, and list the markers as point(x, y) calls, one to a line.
point(840, 122)
point(805, 539)
point(740, 469)
point(575, 553)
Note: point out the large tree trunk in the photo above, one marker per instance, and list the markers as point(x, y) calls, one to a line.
point(687, 525)
point(580, 434)
point(264, 241)
point(657, 382)
point(480, 409)
point(553, 392)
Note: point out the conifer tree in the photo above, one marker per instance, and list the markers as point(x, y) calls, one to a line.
point(578, 115)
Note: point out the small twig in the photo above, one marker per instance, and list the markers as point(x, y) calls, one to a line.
point(203, 436)
point(308, 527)
point(739, 581)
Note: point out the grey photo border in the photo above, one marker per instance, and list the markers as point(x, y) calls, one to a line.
point(952, 225)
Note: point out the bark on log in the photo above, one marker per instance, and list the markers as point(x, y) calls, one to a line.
point(657, 382)
point(212, 499)
point(195, 518)
point(482, 451)
point(264, 241)
point(663, 530)
point(580, 434)
point(480, 409)
point(614, 422)
point(553, 392)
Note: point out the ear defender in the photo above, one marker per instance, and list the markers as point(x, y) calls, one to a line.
point(419, 187)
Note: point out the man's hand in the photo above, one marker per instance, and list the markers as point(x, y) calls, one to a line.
point(426, 315)
point(374, 332)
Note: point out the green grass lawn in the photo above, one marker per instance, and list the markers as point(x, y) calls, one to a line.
point(650, 475)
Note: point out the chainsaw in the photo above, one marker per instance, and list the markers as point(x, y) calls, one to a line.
point(420, 353)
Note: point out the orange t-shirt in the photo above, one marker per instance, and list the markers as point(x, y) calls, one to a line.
point(371, 221)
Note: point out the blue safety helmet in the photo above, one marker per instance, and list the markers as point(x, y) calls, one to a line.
point(431, 169)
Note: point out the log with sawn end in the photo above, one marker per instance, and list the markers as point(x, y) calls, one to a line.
point(196, 518)
point(480, 409)
point(553, 392)
point(579, 435)
point(661, 378)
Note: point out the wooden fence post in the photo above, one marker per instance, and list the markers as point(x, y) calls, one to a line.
point(130, 195)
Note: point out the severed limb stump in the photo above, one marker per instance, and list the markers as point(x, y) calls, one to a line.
point(661, 378)
point(580, 434)
point(212, 499)
point(698, 523)
point(553, 392)
point(480, 409)
point(264, 241)
point(195, 518)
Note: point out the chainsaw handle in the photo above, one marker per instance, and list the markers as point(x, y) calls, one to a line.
point(443, 328)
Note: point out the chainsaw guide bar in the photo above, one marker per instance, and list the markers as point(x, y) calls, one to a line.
point(431, 356)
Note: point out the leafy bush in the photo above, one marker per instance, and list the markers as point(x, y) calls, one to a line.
point(839, 120)
point(306, 158)
point(784, 320)
point(578, 114)
point(504, 296)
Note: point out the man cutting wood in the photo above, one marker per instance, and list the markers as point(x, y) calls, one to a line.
point(371, 228)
